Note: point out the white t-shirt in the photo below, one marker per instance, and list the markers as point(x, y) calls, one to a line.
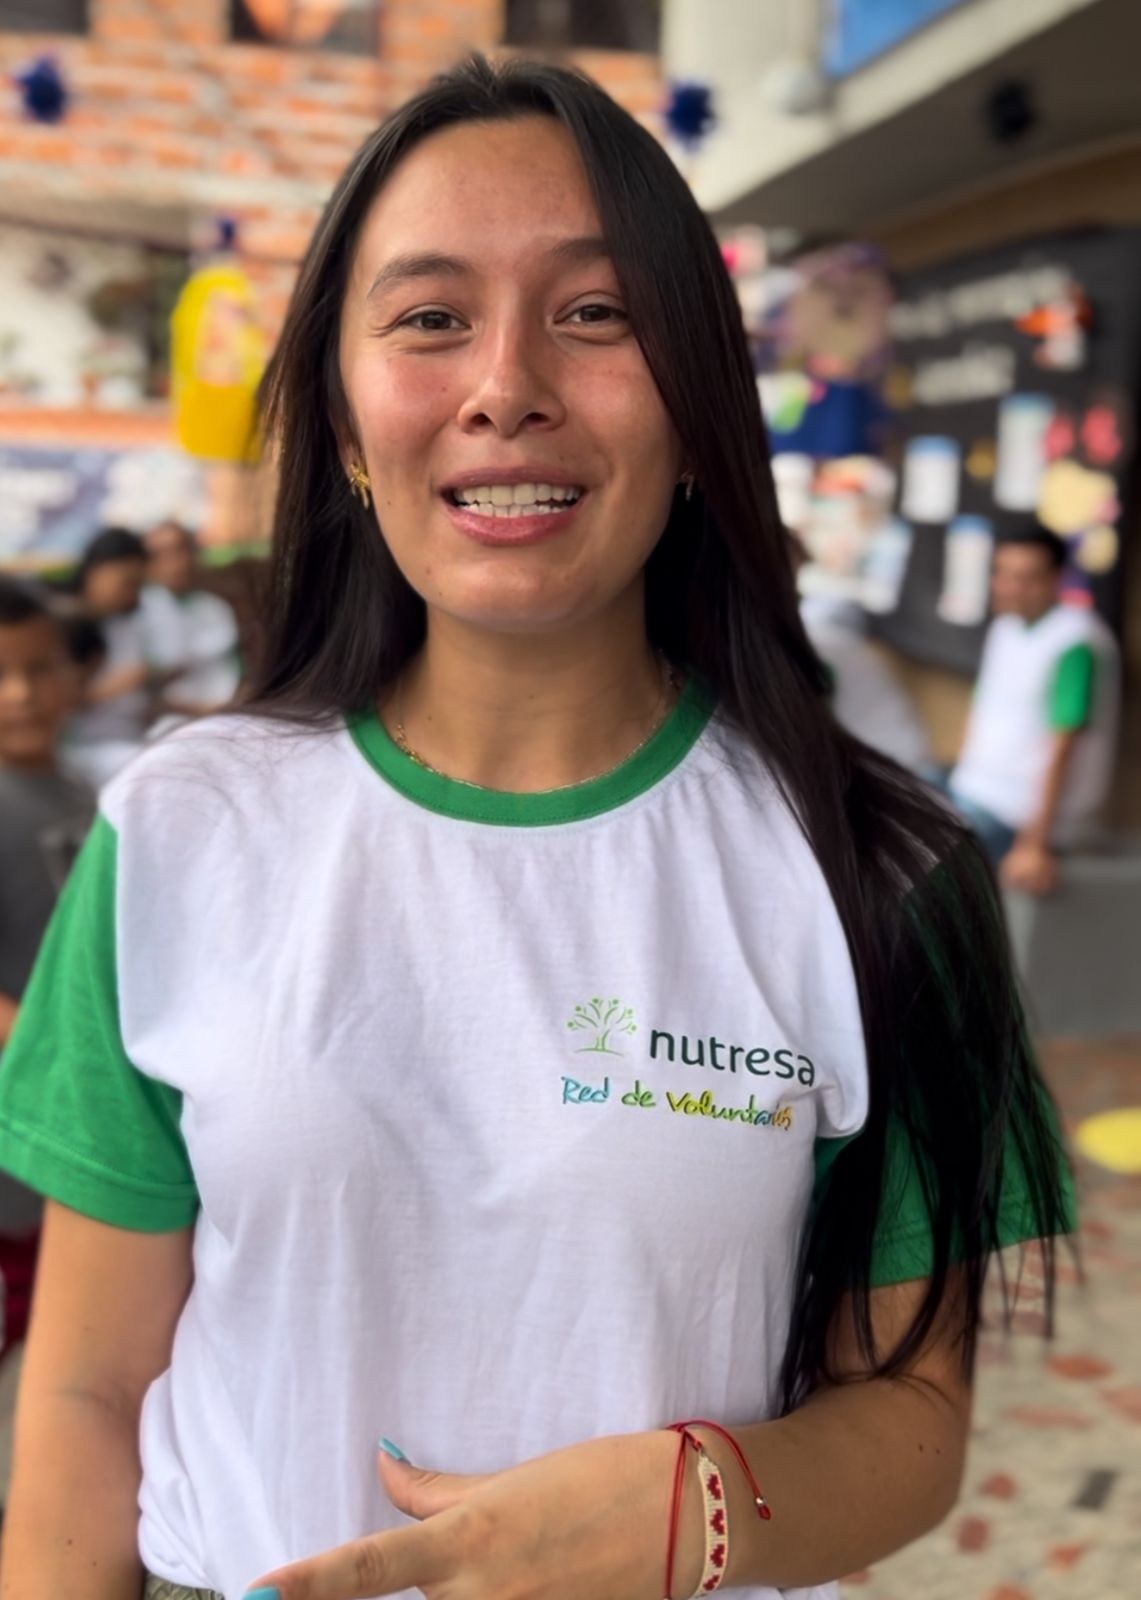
point(1014, 720)
point(496, 1116)
point(196, 631)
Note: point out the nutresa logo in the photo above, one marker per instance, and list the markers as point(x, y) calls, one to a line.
point(604, 1027)
point(756, 1061)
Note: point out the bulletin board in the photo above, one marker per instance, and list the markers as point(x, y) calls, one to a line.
point(1013, 384)
point(54, 498)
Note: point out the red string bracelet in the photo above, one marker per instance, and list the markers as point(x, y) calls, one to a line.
point(716, 1553)
point(675, 1507)
point(700, 1422)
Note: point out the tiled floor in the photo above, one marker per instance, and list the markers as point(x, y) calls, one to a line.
point(1051, 1506)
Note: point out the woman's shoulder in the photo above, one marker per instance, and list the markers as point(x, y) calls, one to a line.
point(231, 764)
point(725, 748)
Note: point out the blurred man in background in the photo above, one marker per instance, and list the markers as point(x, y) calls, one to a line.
point(190, 634)
point(1038, 756)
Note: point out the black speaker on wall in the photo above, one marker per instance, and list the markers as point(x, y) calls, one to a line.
point(1009, 111)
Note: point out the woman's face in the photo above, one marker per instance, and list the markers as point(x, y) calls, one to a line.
point(521, 458)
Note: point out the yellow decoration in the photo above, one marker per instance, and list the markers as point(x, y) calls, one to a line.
point(1113, 1140)
point(980, 464)
point(1072, 498)
point(1099, 549)
point(218, 355)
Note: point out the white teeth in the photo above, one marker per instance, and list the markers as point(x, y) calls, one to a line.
point(495, 498)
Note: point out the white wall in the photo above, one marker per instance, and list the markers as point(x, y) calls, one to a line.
point(729, 42)
point(734, 44)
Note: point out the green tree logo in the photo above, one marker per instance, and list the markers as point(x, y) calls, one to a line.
point(604, 1019)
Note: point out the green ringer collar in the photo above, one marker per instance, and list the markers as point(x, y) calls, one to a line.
point(466, 803)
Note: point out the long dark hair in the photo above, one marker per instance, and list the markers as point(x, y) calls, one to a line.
point(951, 1069)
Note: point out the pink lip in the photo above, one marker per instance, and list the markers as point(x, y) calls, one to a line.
point(513, 531)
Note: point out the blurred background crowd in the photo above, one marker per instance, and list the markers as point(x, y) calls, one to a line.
point(931, 210)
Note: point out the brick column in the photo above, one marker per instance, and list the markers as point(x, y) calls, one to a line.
point(422, 37)
point(160, 21)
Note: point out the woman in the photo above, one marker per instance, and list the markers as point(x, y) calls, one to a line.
point(551, 1026)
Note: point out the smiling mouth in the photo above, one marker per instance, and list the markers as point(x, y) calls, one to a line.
point(507, 500)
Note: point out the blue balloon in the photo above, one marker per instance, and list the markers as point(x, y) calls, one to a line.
point(689, 113)
point(44, 91)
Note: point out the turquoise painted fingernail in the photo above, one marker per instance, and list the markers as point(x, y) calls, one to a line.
point(389, 1449)
point(263, 1594)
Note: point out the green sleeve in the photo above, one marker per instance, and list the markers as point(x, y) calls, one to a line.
point(903, 1244)
point(1071, 698)
point(78, 1121)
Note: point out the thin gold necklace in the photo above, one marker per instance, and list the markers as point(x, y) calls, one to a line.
point(670, 686)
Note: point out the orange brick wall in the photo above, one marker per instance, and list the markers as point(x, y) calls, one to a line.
point(167, 113)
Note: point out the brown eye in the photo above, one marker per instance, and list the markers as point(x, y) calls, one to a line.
point(430, 321)
point(598, 314)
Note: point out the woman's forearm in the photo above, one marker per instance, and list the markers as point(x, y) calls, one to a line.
point(858, 1471)
point(71, 1524)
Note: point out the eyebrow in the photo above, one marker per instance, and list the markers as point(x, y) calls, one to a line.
point(433, 264)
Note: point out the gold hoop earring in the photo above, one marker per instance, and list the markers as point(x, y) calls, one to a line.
point(687, 482)
point(359, 483)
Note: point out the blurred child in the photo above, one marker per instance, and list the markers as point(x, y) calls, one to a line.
point(87, 647)
point(43, 820)
point(111, 725)
point(189, 632)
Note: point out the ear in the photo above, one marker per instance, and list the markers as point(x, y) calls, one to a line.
point(682, 459)
point(348, 450)
point(346, 433)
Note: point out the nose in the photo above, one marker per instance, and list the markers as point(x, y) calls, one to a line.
point(512, 388)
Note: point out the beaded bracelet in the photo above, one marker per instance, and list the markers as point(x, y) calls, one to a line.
point(715, 1515)
point(716, 1524)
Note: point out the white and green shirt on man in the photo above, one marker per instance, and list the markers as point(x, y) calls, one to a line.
point(1038, 679)
point(496, 1117)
